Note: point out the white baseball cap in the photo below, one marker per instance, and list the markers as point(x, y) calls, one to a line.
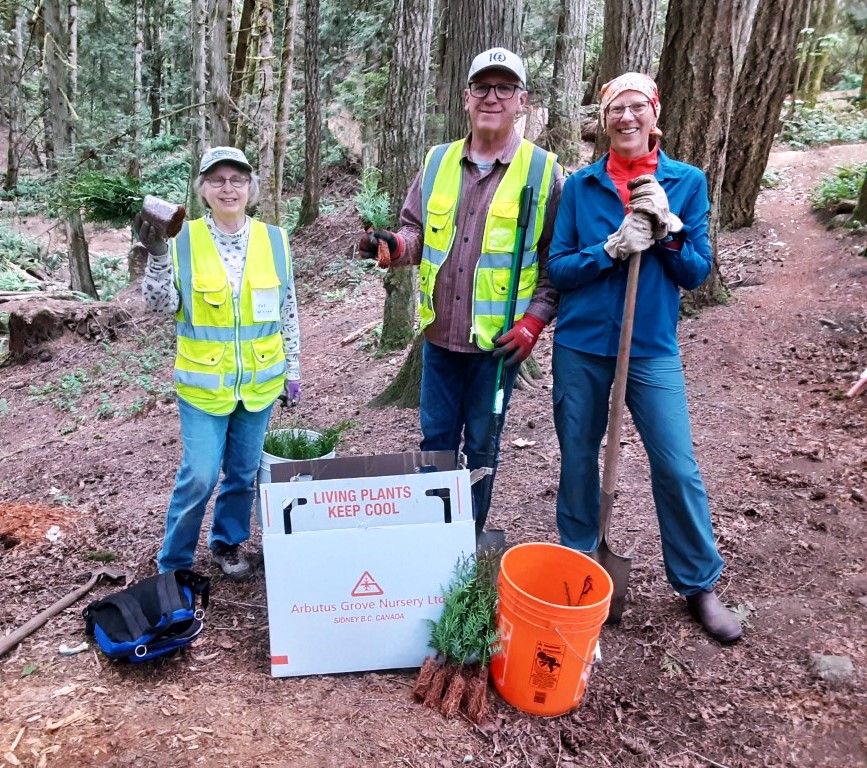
point(498, 58)
point(224, 155)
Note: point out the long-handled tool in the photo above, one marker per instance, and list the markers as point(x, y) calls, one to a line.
point(10, 641)
point(495, 423)
point(618, 566)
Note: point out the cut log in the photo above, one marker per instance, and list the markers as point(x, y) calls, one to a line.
point(31, 324)
point(359, 332)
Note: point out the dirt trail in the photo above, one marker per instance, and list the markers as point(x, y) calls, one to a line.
point(784, 459)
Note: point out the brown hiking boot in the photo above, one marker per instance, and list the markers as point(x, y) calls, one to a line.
point(718, 621)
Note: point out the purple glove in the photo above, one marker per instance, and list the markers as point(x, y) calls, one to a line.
point(291, 393)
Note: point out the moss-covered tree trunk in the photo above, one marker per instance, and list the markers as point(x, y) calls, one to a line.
point(312, 117)
point(405, 389)
point(564, 120)
point(860, 212)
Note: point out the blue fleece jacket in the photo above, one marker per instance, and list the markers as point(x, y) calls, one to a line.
point(592, 286)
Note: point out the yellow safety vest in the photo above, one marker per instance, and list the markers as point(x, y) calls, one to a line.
point(440, 193)
point(230, 349)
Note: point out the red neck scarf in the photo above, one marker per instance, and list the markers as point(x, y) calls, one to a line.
point(623, 169)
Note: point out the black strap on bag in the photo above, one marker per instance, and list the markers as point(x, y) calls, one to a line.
point(159, 610)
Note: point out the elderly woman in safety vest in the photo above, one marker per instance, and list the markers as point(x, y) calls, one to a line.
point(603, 219)
point(228, 282)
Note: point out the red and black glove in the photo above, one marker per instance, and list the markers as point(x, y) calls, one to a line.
point(371, 246)
point(518, 343)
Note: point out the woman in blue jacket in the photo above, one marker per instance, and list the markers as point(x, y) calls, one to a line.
point(600, 223)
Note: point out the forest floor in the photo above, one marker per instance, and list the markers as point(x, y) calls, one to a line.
point(783, 453)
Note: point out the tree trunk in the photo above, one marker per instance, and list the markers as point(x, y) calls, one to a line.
point(13, 67)
point(137, 66)
point(403, 147)
point(860, 212)
point(60, 118)
point(73, 52)
point(239, 69)
point(705, 47)
point(759, 96)
point(470, 27)
point(627, 46)
point(405, 389)
point(312, 117)
point(153, 24)
point(270, 204)
point(803, 50)
point(564, 114)
point(199, 137)
point(218, 79)
point(820, 52)
point(287, 67)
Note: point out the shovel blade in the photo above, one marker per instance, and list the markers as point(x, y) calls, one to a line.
point(618, 568)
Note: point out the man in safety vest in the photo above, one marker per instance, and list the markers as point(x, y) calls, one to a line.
point(458, 224)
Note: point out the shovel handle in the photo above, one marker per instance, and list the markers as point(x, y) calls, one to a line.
point(618, 399)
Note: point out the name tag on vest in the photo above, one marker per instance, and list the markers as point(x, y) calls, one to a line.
point(265, 305)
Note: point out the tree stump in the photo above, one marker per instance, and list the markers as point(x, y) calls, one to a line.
point(33, 321)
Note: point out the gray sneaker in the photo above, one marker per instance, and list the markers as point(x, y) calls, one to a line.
point(231, 561)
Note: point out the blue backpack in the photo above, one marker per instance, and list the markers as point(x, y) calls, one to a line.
point(150, 618)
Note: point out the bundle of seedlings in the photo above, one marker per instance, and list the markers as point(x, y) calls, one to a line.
point(373, 206)
point(465, 638)
point(296, 443)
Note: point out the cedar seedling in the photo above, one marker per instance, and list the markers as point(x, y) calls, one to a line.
point(374, 206)
point(102, 198)
point(467, 629)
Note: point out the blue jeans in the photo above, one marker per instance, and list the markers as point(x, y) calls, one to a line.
point(656, 398)
point(234, 441)
point(457, 398)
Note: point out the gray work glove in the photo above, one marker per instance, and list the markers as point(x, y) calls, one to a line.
point(150, 236)
point(634, 236)
point(649, 197)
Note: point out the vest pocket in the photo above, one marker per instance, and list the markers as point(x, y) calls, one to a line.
point(211, 300)
point(269, 359)
point(199, 363)
point(502, 226)
point(439, 221)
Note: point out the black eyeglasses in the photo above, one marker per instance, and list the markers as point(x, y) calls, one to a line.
point(503, 91)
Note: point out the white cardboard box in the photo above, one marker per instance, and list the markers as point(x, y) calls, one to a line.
point(357, 553)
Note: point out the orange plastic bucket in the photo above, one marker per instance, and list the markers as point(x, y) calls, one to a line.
point(552, 604)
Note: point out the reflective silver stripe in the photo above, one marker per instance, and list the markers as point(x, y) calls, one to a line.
point(185, 271)
point(271, 373)
point(230, 379)
point(538, 162)
point(434, 256)
point(200, 380)
point(498, 308)
point(430, 174)
point(504, 260)
point(281, 260)
point(218, 333)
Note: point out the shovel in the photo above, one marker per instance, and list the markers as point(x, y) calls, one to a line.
point(498, 414)
point(10, 641)
point(617, 566)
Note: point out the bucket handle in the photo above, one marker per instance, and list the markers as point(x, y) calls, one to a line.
point(597, 656)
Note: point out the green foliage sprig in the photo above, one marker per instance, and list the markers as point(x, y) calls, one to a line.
point(372, 203)
point(294, 443)
point(101, 197)
point(467, 629)
point(844, 183)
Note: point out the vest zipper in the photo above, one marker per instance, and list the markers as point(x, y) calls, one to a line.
point(236, 304)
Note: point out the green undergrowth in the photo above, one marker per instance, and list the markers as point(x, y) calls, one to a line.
point(843, 183)
point(823, 125)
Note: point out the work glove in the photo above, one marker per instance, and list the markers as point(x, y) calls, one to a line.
point(649, 197)
point(634, 236)
point(373, 245)
point(291, 394)
point(518, 343)
point(150, 236)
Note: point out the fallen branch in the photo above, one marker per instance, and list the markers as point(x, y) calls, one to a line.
point(358, 333)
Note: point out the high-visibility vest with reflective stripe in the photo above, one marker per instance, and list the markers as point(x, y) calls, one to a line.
point(441, 191)
point(228, 350)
